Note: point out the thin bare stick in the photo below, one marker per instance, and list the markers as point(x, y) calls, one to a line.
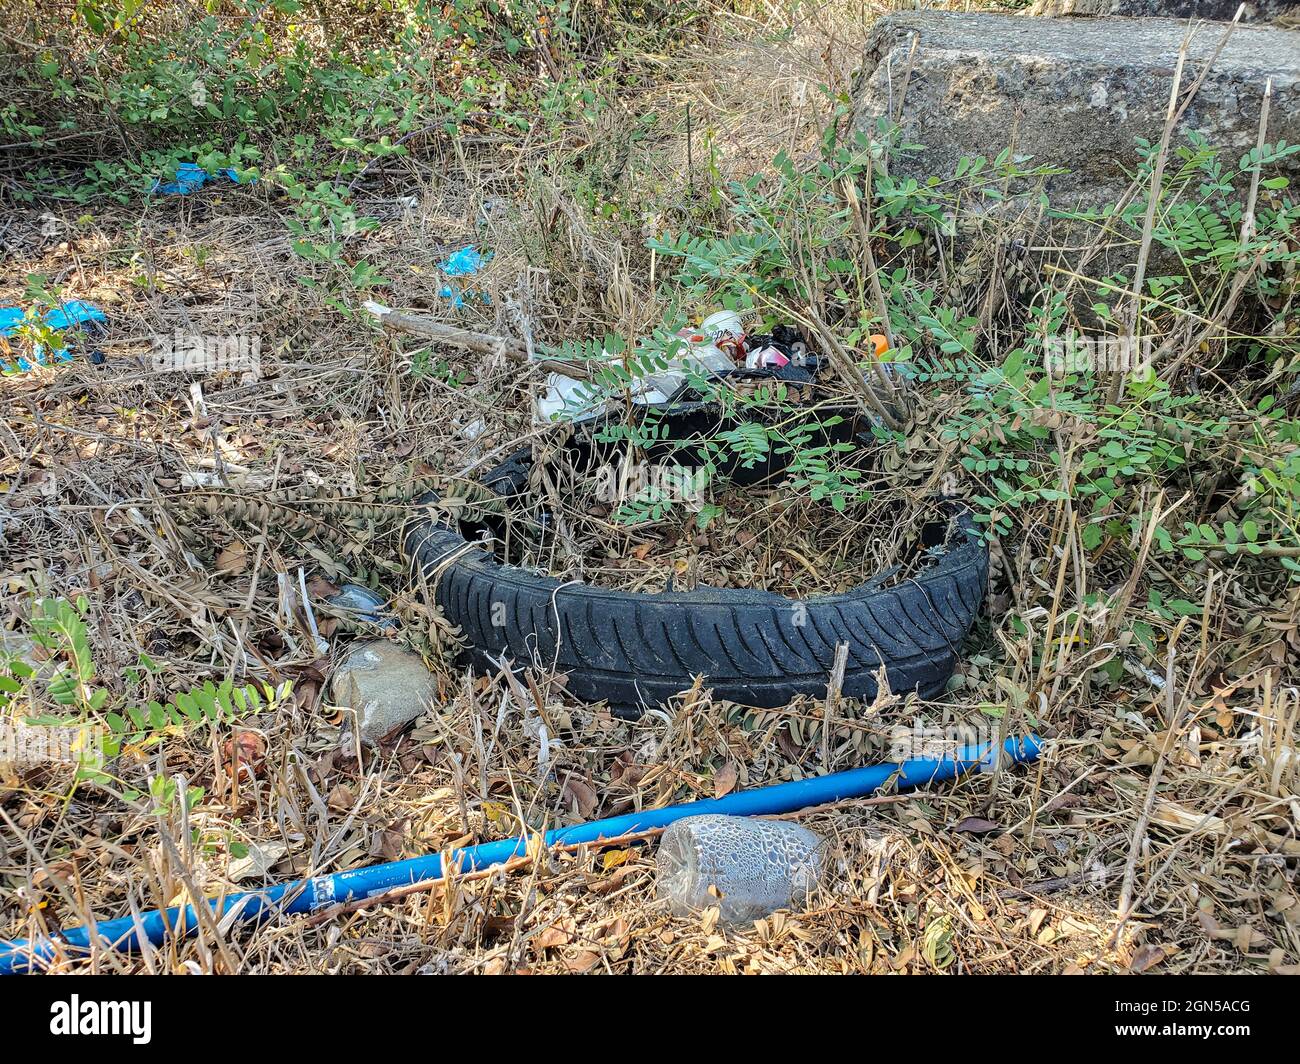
point(1248, 220)
point(861, 219)
point(833, 690)
point(482, 343)
point(1153, 201)
point(848, 369)
point(907, 77)
point(1124, 910)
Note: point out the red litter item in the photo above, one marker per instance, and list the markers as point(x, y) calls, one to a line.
point(764, 357)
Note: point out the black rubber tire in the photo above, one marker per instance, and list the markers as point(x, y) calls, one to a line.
point(754, 648)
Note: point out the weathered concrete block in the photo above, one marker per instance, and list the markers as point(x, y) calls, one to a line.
point(1221, 10)
point(1072, 92)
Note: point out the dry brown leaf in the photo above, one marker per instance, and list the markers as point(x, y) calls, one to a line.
point(724, 780)
point(582, 962)
point(1147, 956)
point(341, 799)
point(976, 825)
point(788, 746)
point(615, 932)
point(319, 587)
point(245, 752)
point(233, 558)
point(581, 794)
point(556, 935)
point(614, 858)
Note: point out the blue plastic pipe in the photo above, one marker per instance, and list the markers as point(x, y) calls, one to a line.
point(304, 895)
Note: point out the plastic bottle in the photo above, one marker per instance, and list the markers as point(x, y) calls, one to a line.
point(754, 866)
point(363, 604)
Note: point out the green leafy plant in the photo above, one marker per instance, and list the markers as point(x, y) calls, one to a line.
point(67, 677)
point(293, 96)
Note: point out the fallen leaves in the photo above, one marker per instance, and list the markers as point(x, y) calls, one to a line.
point(558, 934)
point(582, 962)
point(607, 884)
point(1146, 957)
point(581, 795)
point(1244, 937)
point(257, 862)
point(626, 771)
point(245, 753)
point(976, 825)
point(341, 799)
point(321, 588)
point(232, 559)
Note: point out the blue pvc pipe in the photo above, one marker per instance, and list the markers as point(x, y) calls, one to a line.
point(304, 895)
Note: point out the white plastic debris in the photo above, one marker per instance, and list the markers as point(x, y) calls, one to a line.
point(766, 358)
point(745, 866)
point(713, 348)
point(582, 401)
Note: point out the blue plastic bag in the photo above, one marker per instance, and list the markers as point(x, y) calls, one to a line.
point(64, 316)
point(190, 177)
point(463, 263)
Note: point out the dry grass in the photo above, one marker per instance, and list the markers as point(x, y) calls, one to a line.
point(1019, 871)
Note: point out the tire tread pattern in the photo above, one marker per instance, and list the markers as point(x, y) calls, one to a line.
point(634, 650)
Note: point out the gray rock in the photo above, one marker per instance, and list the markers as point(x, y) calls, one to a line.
point(1076, 91)
point(386, 686)
point(1220, 10)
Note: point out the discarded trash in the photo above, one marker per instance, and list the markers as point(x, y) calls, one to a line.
point(719, 346)
point(363, 605)
point(746, 867)
point(900, 371)
point(385, 686)
point(475, 431)
point(766, 358)
point(463, 263)
point(10, 319)
point(190, 177)
point(583, 401)
point(725, 333)
point(127, 934)
point(459, 298)
point(73, 312)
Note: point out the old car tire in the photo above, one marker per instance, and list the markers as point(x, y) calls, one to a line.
point(754, 648)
